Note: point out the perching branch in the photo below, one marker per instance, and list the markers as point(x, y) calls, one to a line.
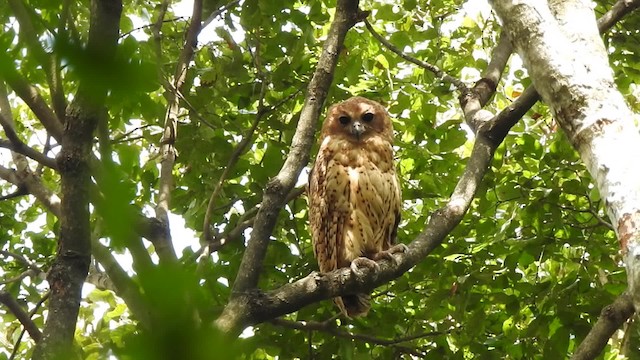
point(346, 16)
point(439, 73)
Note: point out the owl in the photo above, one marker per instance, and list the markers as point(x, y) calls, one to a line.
point(354, 193)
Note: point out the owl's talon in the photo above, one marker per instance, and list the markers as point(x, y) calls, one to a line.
point(388, 254)
point(361, 262)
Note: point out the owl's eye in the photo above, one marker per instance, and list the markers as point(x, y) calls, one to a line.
point(367, 117)
point(344, 120)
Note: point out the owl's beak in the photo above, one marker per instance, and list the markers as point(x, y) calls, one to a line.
point(357, 129)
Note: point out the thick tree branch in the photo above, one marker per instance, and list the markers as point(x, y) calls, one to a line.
point(347, 14)
point(611, 319)
point(439, 73)
point(473, 101)
point(616, 13)
point(125, 287)
point(592, 113)
point(21, 315)
point(163, 244)
point(69, 270)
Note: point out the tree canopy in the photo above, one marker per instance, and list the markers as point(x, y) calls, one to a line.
point(153, 167)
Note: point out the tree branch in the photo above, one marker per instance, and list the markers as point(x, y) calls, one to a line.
point(34, 186)
point(235, 156)
point(125, 287)
point(21, 315)
point(611, 319)
point(15, 144)
point(16, 345)
point(473, 102)
point(218, 12)
point(31, 96)
point(163, 244)
point(439, 73)
point(48, 61)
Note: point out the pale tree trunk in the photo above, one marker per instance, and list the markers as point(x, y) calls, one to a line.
point(559, 43)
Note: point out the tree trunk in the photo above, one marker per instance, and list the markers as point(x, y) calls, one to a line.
point(71, 265)
point(568, 64)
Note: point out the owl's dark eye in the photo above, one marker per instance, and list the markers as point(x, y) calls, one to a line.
point(344, 120)
point(367, 117)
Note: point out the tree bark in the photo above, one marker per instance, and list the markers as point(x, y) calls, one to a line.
point(568, 64)
point(71, 265)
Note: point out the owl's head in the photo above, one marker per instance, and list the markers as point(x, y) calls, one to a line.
point(358, 119)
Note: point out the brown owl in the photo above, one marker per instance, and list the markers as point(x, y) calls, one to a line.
point(354, 193)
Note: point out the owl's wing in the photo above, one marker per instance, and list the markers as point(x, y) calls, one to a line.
point(329, 207)
point(321, 215)
point(395, 202)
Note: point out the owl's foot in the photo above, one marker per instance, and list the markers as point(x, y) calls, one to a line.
point(363, 262)
point(388, 254)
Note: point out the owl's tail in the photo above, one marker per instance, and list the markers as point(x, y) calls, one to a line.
point(354, 305)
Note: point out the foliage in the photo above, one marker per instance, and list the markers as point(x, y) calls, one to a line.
point(525, 275)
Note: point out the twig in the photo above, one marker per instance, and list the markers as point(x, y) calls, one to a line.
point(16, 345)
point(218, 12)
point(19, 277)
point(235, 156)
point(460, 85)
point(48, 61)
point(154, 25)
point(328, 328)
